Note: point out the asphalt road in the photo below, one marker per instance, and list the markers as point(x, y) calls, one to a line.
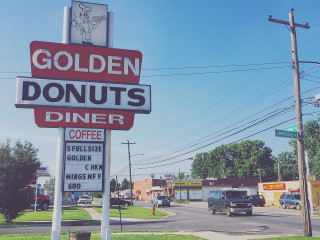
point(195, 217)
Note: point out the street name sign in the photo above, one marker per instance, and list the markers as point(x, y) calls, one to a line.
point(291, 129)
point(286, 134)
point(84, 160)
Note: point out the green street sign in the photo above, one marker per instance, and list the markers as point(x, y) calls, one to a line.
point(291, 129)
point(286, 134)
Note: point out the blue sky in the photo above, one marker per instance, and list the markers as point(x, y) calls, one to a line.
point(249, 74)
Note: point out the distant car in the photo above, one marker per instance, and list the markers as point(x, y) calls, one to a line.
point(119, 201)
point(85, 199)
point(161, 200)
point(290, 200)
point(257, 200)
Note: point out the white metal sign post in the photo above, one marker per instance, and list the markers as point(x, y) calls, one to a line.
point(85, 100)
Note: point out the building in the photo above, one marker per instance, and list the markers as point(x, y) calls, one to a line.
point(273, 190)
point(198, 190)
point(147, 188)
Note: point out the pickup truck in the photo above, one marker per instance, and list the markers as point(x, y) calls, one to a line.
point(43, 201)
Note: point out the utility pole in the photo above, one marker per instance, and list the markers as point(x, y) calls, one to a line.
point(259, 170)
point(279, 177)
point(179, 185)
point(128, 143)
point(300, 143)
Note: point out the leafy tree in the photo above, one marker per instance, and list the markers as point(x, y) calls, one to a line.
point(113, 185)
point(288, 166)
point(181, 176)
point(18, 165)
point(125, 184)
point(238, 160)
point(198, 169)
point(311, 131)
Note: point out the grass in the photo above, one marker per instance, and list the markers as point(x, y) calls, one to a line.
point(96, 236)
point(75, 213)
point(134, 212)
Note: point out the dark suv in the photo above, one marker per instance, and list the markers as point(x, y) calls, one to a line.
point(290, 200)
point(229, 201)
point(257, 200)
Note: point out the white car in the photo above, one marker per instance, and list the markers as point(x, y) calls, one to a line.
point(85, 199)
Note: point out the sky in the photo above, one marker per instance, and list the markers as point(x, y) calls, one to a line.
point(215, 68)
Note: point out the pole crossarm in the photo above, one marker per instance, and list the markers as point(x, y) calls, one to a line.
point(270, 19)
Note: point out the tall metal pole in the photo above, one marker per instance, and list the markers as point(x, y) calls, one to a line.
point(57, 214)
point(105, 218)
point(309, 184)
point(300, 143)
point(279, 177)
point(179, 185)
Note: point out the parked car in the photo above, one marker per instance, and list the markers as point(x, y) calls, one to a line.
point(160, 200)
point(117, 201)
point(229, 201)
point(257, 200)
point(290, 200)
point(85, 199)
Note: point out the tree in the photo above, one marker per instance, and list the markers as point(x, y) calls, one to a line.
point(125, 184)
point(311, 133)
point(113, 185)
point(181, 176)
point(288, 164)
point(250, 158)
point(18, 165)
point(198, 169)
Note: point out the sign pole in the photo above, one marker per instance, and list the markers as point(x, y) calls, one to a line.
point(105, 219)
point(57, 214)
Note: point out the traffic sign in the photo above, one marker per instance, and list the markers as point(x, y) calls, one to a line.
point(291, 129)
point(286, 134)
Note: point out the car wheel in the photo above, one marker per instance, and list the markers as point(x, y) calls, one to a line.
point(248, 213)
point(45, 206)
point(298, 206)
point(212, 210)
point(229, 213)
point(261, 205)
point(284, 206)
point(169, 205)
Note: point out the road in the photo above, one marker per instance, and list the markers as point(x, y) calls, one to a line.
point(195, 217)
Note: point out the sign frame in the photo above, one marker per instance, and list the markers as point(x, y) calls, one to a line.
point(65, 160)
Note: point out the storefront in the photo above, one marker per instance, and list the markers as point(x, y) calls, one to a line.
point(273, 190)
point(187, 190)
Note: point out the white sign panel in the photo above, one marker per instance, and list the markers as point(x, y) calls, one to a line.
point(195, 194)
point(89, 23)
point(83, 170)
point(32, 92)
point(84, 160)
point(183, 194)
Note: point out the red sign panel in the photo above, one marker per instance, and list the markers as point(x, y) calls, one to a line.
point(274, 186)
point(72, 61)
point(86, 118)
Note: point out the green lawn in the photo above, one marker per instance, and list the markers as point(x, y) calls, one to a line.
point(134, 212)
point(75, 213)
point(96, 236)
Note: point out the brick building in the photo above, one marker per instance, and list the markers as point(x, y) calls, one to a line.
point(147, 188)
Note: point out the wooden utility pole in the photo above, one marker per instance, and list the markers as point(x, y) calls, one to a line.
point(300, 143)
point(128, 143)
